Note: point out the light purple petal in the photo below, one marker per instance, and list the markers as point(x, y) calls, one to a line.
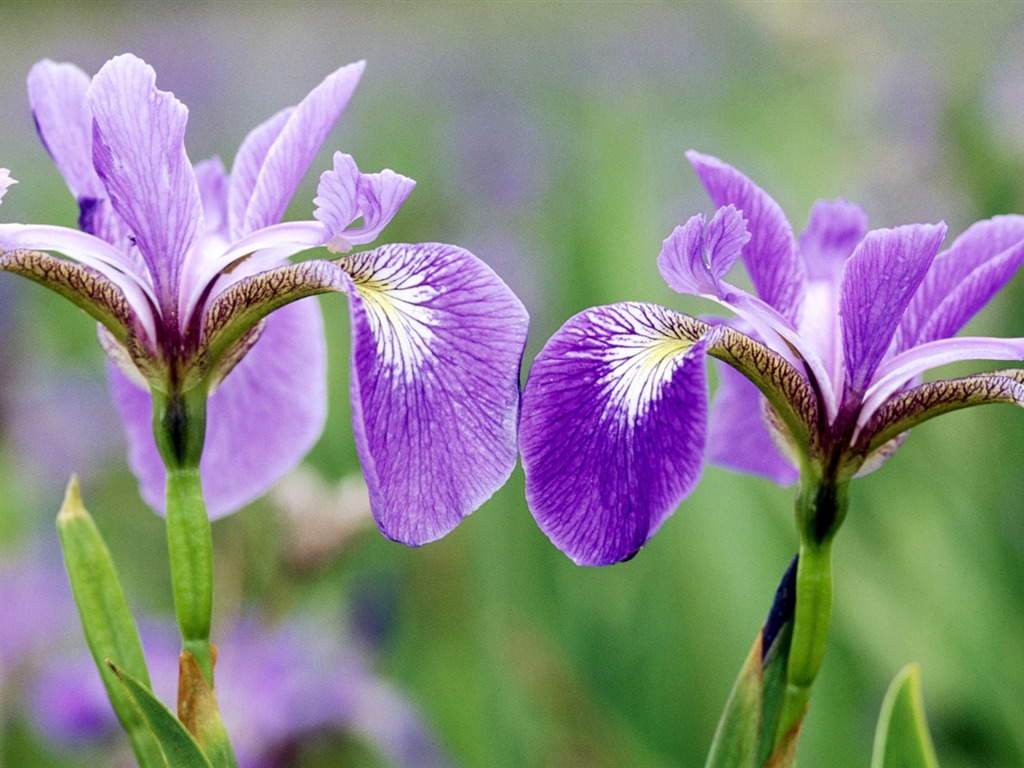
point(901, 370)
point(288, 158)
point(738, 437)
point(139, 153)
point(613, 428)
point(245, 170)
point(834, 229)
point(63, 115)
point(437, 340)
point(878, 282)
point(962, 279)
point(345, 194)
point(770, 256)
point(696, 256)
point(212, 182)
point(263, 419)
point(92, 252)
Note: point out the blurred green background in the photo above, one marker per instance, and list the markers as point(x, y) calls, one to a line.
point(548, 138)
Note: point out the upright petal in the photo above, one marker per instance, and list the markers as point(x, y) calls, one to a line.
point(770, 256)
point(58, 94)
point(738, 437)
point(962, 279)
point(5, 181)
point(139, 153)
point(613, 428)
point(834, 229)
point(292, 150)
point(245, 170)
point(263, 419)
point(878, 282)
point(437, 340)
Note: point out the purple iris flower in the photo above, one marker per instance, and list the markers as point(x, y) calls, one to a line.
point(825, 362)
point(183, 265)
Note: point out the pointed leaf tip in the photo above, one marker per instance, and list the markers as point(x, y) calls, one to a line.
point(73, 505)
point(902, 739)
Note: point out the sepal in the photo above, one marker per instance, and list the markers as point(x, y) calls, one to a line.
point(916, 405)
point(902, 739)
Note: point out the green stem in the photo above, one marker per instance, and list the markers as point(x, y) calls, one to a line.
point(821, 507)
point(190, 545)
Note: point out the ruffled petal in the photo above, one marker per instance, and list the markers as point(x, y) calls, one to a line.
point(345, 194)
point(962, 279)
point(262, 420)
point(770, 256)
point(139, 153)
point(613, 428)
point(437, 340)
point(738, 437)
point(5, 182)
point(878, 282)
point(294, 147)
point(696, 256)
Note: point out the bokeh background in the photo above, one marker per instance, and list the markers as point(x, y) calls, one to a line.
point(548, 138)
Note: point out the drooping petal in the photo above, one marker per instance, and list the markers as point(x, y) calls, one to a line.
point(263, 419)
point(437, 340)
point(899, 371)
point(696, 256)
point(879, 280)
point(934, 398)
point(770, 256)
point(294, 147)
point(139, 153)
point(962, 279)
point(834, 228)
point(613, 428)
point(738, 437)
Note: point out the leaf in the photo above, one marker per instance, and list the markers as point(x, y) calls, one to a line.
point(901, 738)
point(736, 741)
point(179, 748)
point(107, 621)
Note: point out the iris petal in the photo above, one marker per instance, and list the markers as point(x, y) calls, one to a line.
point(613, 428)
point(437, 340)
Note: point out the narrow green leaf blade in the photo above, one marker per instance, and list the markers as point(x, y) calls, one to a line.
point(107, 621)
point(739, 731)
point(179, 748)
point(901, 738)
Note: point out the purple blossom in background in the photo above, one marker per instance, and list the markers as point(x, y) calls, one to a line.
point(615, 417)
point(183, 265)
point(277, 685)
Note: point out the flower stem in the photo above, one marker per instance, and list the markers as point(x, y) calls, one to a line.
point(190, 545)
point(821, 507)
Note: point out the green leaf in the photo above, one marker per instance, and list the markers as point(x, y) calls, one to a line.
point(179, 748)
point(739, 731)
point(107, 621)
point(902, 739)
